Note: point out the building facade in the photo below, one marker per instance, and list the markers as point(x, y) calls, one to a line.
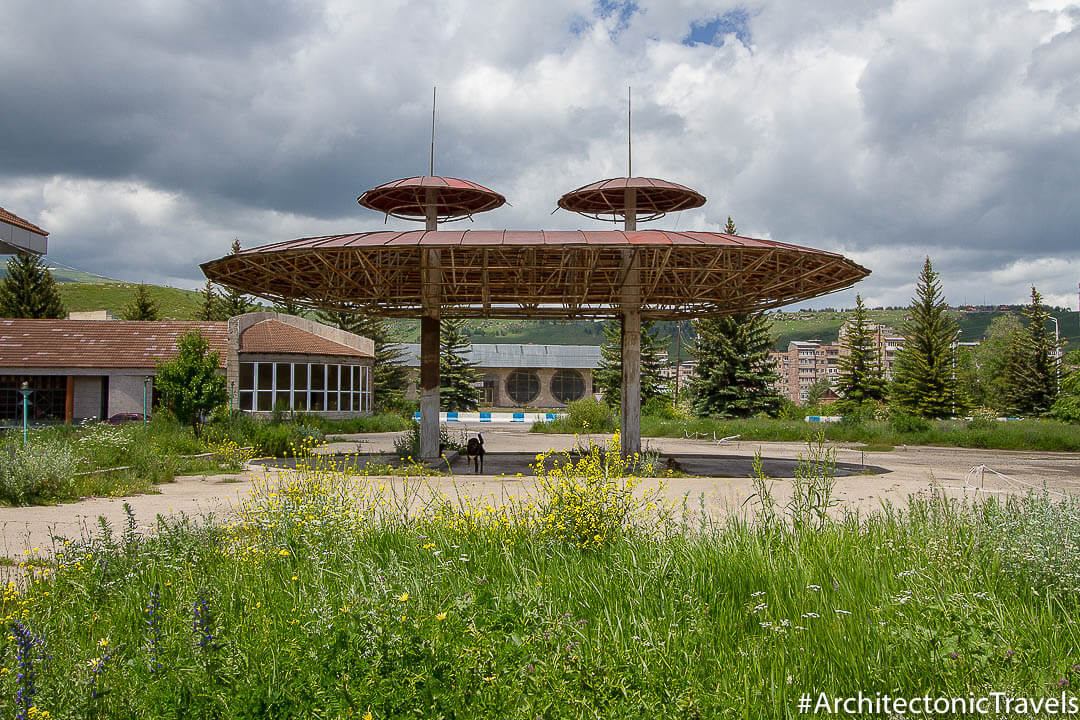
point(82, 369)
point(515, 375)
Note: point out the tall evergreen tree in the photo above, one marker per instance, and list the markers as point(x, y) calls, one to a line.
point(730, 228)
point(1031, 371)
point(391, 376)
point(607, 378)
point(861, 378)
point(29, 290)
point(457, 376)
point(210, 307)
point(142, 306)
point(233, 301)
point(288, 306)
point(734, 377)
point(924, 381)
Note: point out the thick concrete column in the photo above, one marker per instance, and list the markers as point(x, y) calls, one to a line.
point(429, 356)
point(630, 211)
point(630, 420)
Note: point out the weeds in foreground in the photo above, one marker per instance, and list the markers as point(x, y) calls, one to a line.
point(335, 596)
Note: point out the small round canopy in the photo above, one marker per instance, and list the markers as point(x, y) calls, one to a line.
point(537, 274)
point(409, 198)
point(655, 198)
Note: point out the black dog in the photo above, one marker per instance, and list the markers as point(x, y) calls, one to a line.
point(475, 451)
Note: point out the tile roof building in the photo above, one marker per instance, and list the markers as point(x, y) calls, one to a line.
point(20, 236)
point(79, 369)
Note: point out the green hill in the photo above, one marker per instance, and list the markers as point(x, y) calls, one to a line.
point(174, 304)
point(97, 293)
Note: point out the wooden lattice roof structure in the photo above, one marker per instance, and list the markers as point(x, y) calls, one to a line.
point(655, 198)
point(537, 274)
point(452, 198)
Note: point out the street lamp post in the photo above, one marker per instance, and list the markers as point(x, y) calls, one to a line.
point(25, 392)
point(1057, 352)
point(145, 392)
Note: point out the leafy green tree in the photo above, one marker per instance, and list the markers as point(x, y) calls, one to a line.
point(1067, 405)
point(191, 383)
point(816, 392)
point(29, 290)
point(211, 307)
point(861, 378)
point(924, 382)
point(233, 301)
point(142, 306)
point(981, 371)
point(457, 376)
point(1031, 370)
point(391, 376)
point(735, 377)
point(607, 377)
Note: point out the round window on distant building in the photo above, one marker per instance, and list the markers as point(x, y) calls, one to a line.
point(523, 386)
point(568, 386)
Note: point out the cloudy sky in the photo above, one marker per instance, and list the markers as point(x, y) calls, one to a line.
point(145, 136)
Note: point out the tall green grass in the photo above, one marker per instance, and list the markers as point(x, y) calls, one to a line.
point(325, 599)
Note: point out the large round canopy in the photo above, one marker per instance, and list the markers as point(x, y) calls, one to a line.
point(654, 198)
point(537, 274)
point(410, 198)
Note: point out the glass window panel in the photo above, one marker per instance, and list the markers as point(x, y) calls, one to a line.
point(247, 376)
point(299, 401)
point(331, 401)
point(346, 377)
point(265, 401)
point(281, 399)
point(318, 377)
point(332, 378)
point(245, 400)
point(266, 375)
point(357, 373)
point(283, 379)
point(567, 386)
point(300, 376)
point(523, 386)
point(316, 402)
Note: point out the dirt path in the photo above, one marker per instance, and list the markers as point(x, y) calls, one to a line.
point(911, 470)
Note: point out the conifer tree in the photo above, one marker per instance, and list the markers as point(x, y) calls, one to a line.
point(391, 376)
point(1031, 370)
point(607, 378)
point(924, 381)
point(861, 379)
point(730, 228)
point(734, 377)
point(142, 306)
point(288, 306)
point(233, 301)
point(457, 376)
point(210, 308)
point(29, 290)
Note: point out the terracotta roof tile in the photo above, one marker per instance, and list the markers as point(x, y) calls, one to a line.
point(99, 343)
point(272, 336)
point(13, 219)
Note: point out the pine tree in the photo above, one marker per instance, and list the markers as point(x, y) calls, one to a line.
point(210, 309)
point(924, 381)
point(142, 306)
point(233, 301)
point(288, 306)
point(29, 290)
point(734, 377)
point(730, 228)
point(861, 379)
point(457, 376)
point(607, 378)
point(391, 376)
point(1031, 371)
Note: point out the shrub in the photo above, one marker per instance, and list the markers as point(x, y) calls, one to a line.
point(38, 471)
point(905, 423)
point(660, 406)
point(407, 445)
point(591, 415)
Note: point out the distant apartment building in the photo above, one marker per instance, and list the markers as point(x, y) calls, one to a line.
point(805, 362)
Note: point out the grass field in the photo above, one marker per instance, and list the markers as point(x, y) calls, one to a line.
point(325, 598)
point(173, 303)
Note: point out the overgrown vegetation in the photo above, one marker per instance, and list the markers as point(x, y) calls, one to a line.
point(331, 597)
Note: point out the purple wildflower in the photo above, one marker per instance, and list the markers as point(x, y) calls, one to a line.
point(28, 649)
point(203, 625)
point(153, 626)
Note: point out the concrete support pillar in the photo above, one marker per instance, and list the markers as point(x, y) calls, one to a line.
point(630, 420)
point(630, 211)
point(429, 356)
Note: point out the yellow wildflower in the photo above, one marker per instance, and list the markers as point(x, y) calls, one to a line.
point(403, 597)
